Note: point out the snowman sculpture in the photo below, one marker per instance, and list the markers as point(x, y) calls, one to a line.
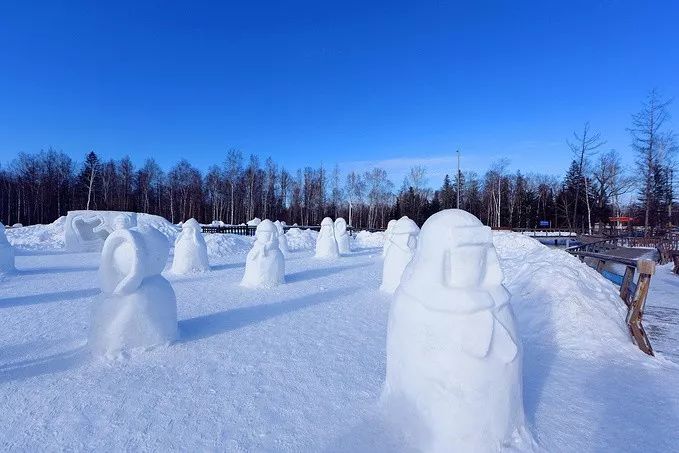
point(265, 264)
point(190, 250)
point(282, 239)
point(453, 356)
point(342, 236)
point(387, 236)
point(401, 251)
point(326, 244)
point(6, 252)
point(137, 307)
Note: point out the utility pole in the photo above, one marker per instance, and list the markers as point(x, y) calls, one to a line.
point(458, 179)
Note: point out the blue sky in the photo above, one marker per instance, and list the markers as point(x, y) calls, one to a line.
point(354, 83)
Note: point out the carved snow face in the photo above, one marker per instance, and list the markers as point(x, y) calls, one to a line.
point(464, 266)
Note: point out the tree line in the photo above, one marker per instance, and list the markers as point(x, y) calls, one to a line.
point(40, 187)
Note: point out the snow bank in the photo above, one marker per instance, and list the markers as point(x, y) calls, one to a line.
point(38, 237)
point(366, 240)
point(221, 245)
point(301, 239)
point(560, 300)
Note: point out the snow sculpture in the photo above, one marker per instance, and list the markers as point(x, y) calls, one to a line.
point(137, 307)
point(6, 252)
point(265, 264)
point(387, 236)
point(342, 236)
point(399, 254)
point(453, 359)
point(282, 239)
point(254, 222)
point(86, 231)
point(326, 245)
point(190, 250)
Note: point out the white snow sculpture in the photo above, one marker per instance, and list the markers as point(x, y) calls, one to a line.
point(326, 245)
point(265, 264)
point(137, 307)
point(342, 236)
point(190, 250)
point(6, 252)
point(254, 222)
point(399, 254)
point(453, 358)
point(387, 236)
point(282, 239)
point(86, 231)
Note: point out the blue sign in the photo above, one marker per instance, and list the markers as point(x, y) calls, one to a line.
point(545, 223)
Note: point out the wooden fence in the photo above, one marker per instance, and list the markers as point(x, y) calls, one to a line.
point(249, 230)
point(633, 293)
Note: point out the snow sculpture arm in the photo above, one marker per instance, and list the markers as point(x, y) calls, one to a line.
point(121, 269)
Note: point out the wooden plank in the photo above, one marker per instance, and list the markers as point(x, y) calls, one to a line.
point(626, 282)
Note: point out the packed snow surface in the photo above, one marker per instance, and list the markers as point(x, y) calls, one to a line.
point(301, 367)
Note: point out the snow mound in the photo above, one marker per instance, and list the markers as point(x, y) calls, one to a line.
point(301, 239)
point(219, 245)
point(38, 237)
point(366, 239)
point(559, 301)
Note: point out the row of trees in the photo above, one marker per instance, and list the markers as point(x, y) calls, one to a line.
point(39, 187)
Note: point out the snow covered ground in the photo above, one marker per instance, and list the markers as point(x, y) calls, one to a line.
point(301, 367)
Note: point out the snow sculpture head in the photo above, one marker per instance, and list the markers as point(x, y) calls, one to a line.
point(130, 256)
point(123, 221)
point(326, 243)
point(265, 264)
point(137, 307)
point(452, 349)
point(190, 250)
point(6, 252)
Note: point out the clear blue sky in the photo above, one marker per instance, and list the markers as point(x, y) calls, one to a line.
point(355, 83)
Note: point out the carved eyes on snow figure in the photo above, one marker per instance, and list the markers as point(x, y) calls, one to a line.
point(471, 266)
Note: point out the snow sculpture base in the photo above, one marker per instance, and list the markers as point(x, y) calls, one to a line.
point(86, 231)
point(190, 250)
point(146, 318)
point(453, 359)
point(326, 244)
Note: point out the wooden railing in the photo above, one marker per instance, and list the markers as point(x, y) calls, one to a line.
point(633, 293)
point(249, 230)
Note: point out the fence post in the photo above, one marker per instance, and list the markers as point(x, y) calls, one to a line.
point(635, 311)
point(626, 282)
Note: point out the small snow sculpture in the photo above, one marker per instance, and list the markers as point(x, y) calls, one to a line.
point(401, 251)
point(282, 239)
point(342, 236)
point(190, 250)
point(137, 307)
point(254, 222)
point(453, 358)
point(6, 252)
point(387, 236)
point(326, 245)
point(265, 264)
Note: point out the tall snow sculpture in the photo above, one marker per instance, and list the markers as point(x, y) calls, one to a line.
point(265, 264)
point(326, 244)
point(387, 236)
point(282, 239)
point(137, 307)
point(190, 250)
point(453, 358)
point(6, 252)
point(342, 236)
point(399, 254)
